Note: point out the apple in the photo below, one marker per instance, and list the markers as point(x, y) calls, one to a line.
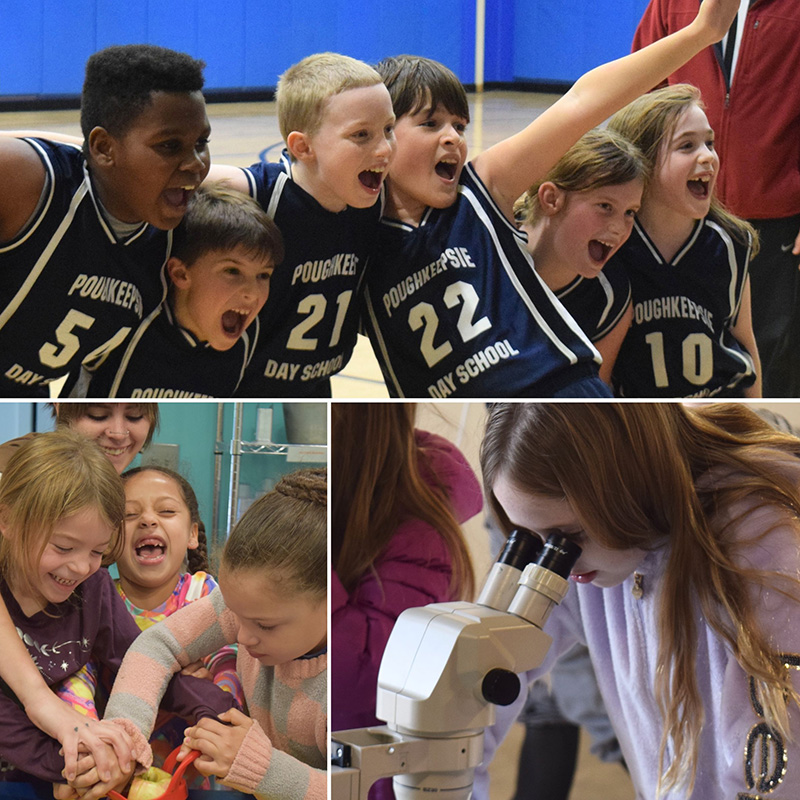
point(150, 784)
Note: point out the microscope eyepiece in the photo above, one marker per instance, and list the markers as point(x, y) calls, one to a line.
point(522, 548)
point(559, 555)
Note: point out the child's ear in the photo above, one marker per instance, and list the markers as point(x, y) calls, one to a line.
point(299, 145)
point(193, 542)
point(178, 273)
point(551, 198)
point(101, 147)
point(3, 520)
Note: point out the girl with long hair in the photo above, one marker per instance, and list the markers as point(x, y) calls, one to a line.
point(272, 600)
point(62, 508)
point(120, 430)
point(576, 218)
point(687, 592)
point(399, 496)
point(687, 260)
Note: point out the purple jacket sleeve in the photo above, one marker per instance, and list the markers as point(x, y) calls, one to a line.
point(414, 570)
point(24, 745)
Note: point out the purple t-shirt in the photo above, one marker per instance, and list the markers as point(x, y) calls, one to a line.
point(93, 624)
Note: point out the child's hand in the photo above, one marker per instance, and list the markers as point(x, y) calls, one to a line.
point(58, 719)
point(197, 669)
point(217, 743)
point(62, 791)
point(717, 16)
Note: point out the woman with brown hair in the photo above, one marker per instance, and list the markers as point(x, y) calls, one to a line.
point(687, 589)
point(398, 497)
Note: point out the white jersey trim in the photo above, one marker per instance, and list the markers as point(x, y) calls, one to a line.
point(45, 255)
point(42, 211)
point(251, 182)
point(482, 215)
point(275, 198)
point(378, 334)
point(104, 224)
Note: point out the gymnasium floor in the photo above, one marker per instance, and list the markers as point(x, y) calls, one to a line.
point(245, 132)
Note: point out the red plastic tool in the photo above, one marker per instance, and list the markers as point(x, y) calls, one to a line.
point(177, 788)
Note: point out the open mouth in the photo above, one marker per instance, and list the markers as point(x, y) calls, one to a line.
point(446, 169)
point(150, 551)
point(63, 582)
point(599, 251)
point(699, 187)
point(234, 321)
point(371, 178)
point(179, 197)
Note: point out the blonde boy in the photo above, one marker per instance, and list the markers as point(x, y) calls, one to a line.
point(336, 118)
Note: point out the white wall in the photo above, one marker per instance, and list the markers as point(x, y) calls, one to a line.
point(462, 424)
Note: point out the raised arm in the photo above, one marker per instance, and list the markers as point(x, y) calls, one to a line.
point(510, 167)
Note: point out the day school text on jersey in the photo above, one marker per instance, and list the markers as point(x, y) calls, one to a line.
point(479, 362)
point(452, 257)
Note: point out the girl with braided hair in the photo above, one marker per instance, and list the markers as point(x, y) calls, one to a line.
point(272, 600)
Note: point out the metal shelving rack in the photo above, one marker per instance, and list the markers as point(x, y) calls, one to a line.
point(238, 448)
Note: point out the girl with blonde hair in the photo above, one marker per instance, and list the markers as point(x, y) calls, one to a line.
point(576, 218)
point(687, 260)
point(62, 509)
point(687, 588)
point(120, 430)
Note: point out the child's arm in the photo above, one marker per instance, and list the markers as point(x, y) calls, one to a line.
point(145, 675)
point(610, 344)
point(742, 331)
point(50, 714)
point(221, 664)
point(242, 756)
point(232, 177)
point(63, 138)
point(510, 167)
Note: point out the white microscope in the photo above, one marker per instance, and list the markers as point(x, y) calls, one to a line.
point(444, 669)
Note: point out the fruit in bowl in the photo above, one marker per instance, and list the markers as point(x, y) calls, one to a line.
point(150, 784)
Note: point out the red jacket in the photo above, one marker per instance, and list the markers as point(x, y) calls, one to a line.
point(757, 121)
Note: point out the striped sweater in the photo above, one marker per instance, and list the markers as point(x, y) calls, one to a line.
point(284, 755)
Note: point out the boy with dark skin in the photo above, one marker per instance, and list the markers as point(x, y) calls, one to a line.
point(84, 235)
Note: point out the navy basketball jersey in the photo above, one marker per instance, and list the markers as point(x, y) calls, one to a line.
point(680, 343)
point(597, 304)
point(70, 291)
point(454, 308)
point(162, 359)
point(309, 324)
